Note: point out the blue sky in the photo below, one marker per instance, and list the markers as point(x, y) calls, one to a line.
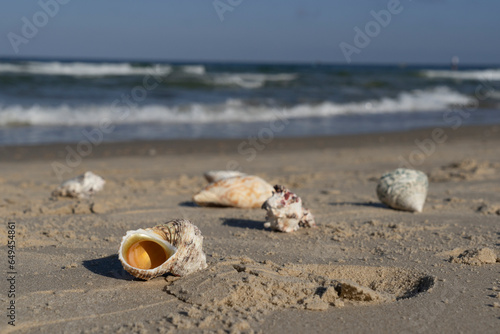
point(424, 31)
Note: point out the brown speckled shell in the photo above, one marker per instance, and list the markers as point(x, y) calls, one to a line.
point(188, 257)
point(239, 192)
point(217, 175)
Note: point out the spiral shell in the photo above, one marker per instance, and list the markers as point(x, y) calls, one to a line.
point(216, 175)
point(174, 247)
point(285, 212)
point(403, 189)
point(82, 186)
point(239, 191)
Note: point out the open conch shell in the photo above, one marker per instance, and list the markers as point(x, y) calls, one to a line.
point(285, 212)
point(403, 189)
point(216, 175)
point(239, 191)
point(174, 247)
point(81, 186)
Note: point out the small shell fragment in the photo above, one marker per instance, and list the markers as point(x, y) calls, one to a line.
point(238, 191)
point(216, 175)
point(174, 247)
point(285, 212)
point(403, 189)
point(82, 186)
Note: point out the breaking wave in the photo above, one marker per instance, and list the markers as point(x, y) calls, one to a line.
point(82, 69)
point(487, 75)
point(233, 110)
point(249, 80)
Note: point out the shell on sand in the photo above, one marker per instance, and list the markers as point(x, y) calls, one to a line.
point(174, 247)
point(216, 175)
point(403, 189)
point(81, 186)
point(239, 191)
point(285, 212)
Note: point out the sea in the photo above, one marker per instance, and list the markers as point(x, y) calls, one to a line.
point(53, 101)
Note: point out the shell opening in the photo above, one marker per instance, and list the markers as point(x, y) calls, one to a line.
point(144, 250)
point(146, 254)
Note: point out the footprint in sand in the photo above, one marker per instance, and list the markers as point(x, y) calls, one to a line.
point(465, 170)
point(253, 286)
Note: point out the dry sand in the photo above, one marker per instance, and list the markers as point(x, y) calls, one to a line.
point(365, 269)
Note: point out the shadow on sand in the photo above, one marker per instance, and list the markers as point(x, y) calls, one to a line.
point(189, 204)
point(368, 204)
point(243, 223)
point(108, 266)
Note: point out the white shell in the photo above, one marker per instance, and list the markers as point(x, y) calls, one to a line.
point(176, 247)
point(239, 191)
point(285, 212)
point(216, 175)
point(403, 189)
point(81, 186)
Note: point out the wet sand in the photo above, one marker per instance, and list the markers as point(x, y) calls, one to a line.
point(401, 272)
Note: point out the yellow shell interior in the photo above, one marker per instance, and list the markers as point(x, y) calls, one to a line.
point(143, 252)
point(146, 255)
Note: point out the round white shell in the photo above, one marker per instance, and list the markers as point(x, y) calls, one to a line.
point(403, 189)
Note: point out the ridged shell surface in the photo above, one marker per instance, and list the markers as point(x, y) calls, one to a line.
point(239, 191)
point(81, 186)
point(285, 212)
point(403, 189)
point(216, 175)
point(175, 247)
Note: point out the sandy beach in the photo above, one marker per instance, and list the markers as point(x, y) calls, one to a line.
point(406, 272)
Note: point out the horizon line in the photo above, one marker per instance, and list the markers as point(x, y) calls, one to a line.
point(252, 62)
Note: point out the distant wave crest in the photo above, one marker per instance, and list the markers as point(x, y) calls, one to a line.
point(82, 69)
point(234, 110)
point(194, 69)
point(487, 75)
point(249, 80)
point(198, 72)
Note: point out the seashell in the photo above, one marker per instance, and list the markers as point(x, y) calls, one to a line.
point(174, 247)
point(403, 189)
point(216, 175)
point(285, 212)
point(239, 191)
point(81, 186)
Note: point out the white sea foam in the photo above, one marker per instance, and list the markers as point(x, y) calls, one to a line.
point(82, 69)
point(234, 110)
point(249, 80)
point(79, 69)
point(483, 75)
point(194, 69)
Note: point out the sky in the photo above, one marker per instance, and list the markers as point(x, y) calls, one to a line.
point(333, 31)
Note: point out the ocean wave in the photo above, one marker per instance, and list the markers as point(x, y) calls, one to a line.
point(194, 69)
point(187, 72)
point(233, 110)
point(486, 75)
point(250, 80)
point(79, 69)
